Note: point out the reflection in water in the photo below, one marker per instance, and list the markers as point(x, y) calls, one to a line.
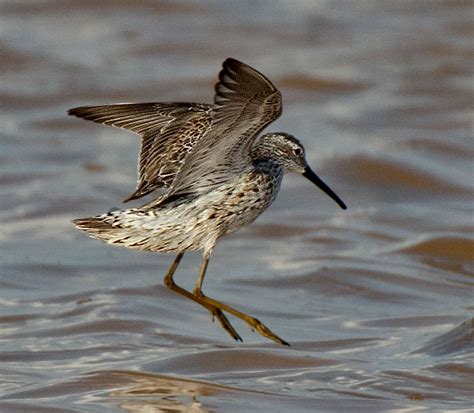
point(153, 393)
point(377, 299)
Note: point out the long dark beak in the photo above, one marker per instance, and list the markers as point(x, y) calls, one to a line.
point(315, 179)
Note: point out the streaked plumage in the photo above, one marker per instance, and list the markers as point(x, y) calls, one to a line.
point(218, 174)
point(169, 131)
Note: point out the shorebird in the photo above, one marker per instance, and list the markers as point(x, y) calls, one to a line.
point(217, 174)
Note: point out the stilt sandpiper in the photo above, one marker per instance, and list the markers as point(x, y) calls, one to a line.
point(218, 175)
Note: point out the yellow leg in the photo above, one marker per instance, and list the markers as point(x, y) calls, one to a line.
point(215, 311)
point(251, 321)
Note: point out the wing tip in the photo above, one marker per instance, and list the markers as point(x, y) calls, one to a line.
point(230, 61)
point(74, 111)
point(237, 76)
point(80, 111)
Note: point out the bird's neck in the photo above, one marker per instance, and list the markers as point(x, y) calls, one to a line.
point(268, 165)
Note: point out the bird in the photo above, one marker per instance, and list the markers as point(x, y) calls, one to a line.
point(211, 173)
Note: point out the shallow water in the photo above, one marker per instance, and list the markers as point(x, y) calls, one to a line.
point(376, 300)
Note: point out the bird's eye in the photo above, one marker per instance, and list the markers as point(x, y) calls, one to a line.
point(297, 151)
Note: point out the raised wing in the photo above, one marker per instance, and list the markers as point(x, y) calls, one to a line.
point(245, 103)
point(169, 131)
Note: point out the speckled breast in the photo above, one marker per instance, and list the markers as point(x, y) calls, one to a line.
point(246, 199)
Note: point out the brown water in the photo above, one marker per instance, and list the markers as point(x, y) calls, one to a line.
point(377, 301)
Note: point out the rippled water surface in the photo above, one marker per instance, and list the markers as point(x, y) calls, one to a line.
point(376, 301)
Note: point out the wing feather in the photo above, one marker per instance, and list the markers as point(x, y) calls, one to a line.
point(192, 148)
point(245, 102)
point(169, 131)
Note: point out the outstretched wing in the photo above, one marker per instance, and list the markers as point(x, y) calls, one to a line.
point(169, 131)
point(245, 103)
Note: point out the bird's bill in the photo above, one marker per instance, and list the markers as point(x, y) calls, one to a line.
point(315, 179)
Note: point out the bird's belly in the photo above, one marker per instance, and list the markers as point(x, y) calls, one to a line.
point(197, 224)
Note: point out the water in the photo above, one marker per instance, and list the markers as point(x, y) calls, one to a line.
point(376, 300)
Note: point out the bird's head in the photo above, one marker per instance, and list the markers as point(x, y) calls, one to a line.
point(289, 153)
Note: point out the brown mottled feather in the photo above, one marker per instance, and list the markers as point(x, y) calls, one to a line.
point(245, 103)
point(173, 151)
point(169, 131)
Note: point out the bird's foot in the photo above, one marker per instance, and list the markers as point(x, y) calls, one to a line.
point(264, 330)
point(254, 324)
point(225, 323)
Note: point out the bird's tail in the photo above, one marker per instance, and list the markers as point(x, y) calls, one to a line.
point(112, 229)
point(94, 226)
